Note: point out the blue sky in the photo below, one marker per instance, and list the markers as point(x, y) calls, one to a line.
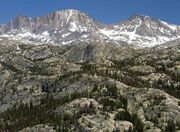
point(107, 11)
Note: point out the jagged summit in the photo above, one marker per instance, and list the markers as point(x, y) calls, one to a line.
point(57, 18)
point(70, 26)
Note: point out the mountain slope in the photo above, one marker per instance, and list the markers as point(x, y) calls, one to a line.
point(93, 87)
point(72, 26)
point(143, 31)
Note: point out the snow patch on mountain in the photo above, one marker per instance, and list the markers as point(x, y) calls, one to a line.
point(171, 26)
point(73, 27)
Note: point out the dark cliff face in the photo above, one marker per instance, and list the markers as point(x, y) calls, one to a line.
point(20, 22)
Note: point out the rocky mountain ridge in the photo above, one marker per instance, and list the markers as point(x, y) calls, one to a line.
point(72, 26)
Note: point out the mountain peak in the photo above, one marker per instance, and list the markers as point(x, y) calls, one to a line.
point(70, 15)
